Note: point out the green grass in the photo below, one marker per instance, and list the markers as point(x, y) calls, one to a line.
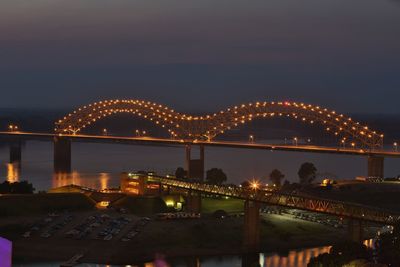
point(14, 205)
point(231, 205)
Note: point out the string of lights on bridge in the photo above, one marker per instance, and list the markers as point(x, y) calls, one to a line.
point(208, 126)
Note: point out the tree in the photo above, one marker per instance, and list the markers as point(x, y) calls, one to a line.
point(388, 247)
point(180, 173)
point(245, 184)
point(276, 177)
point(216, 176)
point(307, 173)
point(16, 188)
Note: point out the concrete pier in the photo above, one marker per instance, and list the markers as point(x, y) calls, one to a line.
point(195, 167)
point(15, 152)
point(62, 155)
point(376, 166)
point(251, 260)
point(193, 202)
point(251, 238)
point(355, 230)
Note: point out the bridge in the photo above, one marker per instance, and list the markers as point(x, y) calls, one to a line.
point(355, 213)
point(189, 131)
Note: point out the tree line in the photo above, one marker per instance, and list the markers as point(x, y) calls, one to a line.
point(307, 174)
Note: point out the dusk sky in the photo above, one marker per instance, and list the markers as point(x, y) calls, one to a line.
point(201, 55)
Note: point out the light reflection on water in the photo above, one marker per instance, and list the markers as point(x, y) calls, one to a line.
point(295, 258)
point(13, 172)
point(98, 180)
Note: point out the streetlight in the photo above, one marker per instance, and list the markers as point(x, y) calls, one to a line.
point(343, 143)
point(137, 133)
point(104, 131)
point(395, 146)
point(295, 141)
point(255, 185)
point(251, 138)
point(12, 128)
point(353, 145)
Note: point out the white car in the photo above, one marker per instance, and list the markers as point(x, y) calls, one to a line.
point(108, 237)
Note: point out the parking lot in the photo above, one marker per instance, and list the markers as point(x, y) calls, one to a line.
point(98, 225)
point(323, 219)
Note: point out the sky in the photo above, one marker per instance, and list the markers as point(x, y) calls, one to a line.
point(201, 55)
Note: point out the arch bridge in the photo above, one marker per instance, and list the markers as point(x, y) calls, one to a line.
point(193, 128)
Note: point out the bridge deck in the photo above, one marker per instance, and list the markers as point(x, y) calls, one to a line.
point(244, 145)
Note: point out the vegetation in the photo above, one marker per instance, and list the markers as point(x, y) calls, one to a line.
point(307, 173)
point(180, 173)
point(389, 247)
point(16, 188)
point(11, 205)
point(216, 176)
point(230, 205)
point(276, 177)
point(245, 184)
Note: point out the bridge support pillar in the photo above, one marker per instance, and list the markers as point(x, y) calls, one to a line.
point(355, 230)
point(195, 167)
point(16, 152)
point(62, 155)
point(142, 180)
point(251, 238)
point(251, 260)
point(375, 166)
point(193, 202)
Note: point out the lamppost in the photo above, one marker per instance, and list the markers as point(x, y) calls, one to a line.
point(343, 143)
point(251, 138)
point(353, 145)
point(395, 146)
point(295, 141)
point(105, 131)
point(12, 128)
point(254, 185)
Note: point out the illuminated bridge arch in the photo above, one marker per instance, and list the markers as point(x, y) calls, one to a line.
point(206, 127)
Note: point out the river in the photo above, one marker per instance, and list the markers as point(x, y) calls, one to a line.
point(99, 165)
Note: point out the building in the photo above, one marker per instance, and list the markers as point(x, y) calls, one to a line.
point(139, 183)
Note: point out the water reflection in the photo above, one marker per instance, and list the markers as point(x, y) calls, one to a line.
point(96, 181)
point(13, 172)
point(293, 259)
point(104, 179)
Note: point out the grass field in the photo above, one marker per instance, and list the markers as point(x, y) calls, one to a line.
point(231, 205)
